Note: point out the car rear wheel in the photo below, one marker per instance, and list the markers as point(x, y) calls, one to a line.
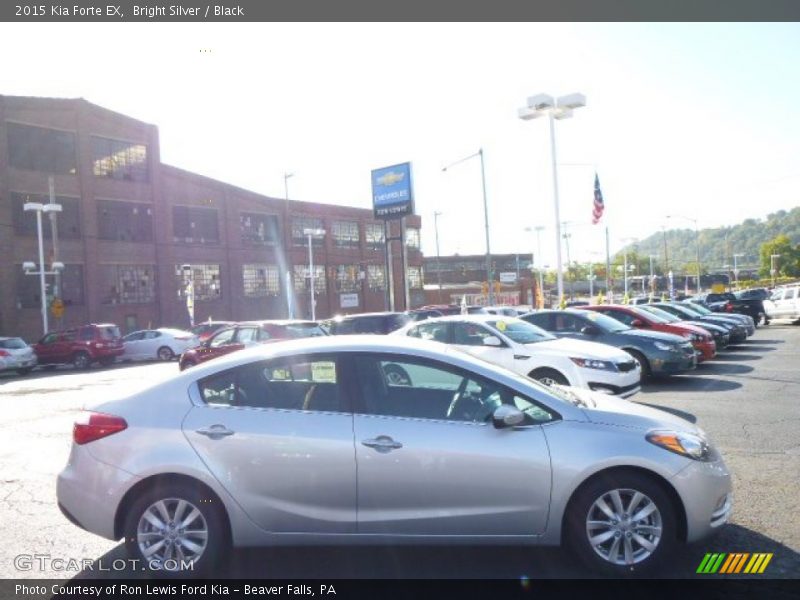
point(621, 524)
point(175, 530)
point(81, 360)
point(646, 370)
point(165, 353)
point(24, 370)
point(548, 377)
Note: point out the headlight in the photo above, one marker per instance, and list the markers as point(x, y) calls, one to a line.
point(590, 363)
point(686, 444)
point(667, 347)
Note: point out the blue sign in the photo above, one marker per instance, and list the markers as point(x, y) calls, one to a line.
point(392, 196)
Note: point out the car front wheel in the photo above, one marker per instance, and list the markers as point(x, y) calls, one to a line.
point(175, 530)
point(622, 524)
point(165, 353)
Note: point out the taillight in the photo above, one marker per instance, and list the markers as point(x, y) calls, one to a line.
point(93, 426)
point(4, 353)
point(183, 339)
point(729, 307)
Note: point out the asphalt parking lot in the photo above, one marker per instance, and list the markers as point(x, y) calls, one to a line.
point(748, 400)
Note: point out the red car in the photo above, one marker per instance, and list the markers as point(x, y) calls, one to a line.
point(81, 346)
point(205, 330)
point(241, 335)
point(634, 316)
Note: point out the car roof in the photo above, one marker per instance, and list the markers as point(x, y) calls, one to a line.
point(279, 322)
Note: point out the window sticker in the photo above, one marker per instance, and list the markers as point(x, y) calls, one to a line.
point(501, 325)
point(323, 372)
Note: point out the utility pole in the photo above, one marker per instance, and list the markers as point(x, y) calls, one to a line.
point(54, 234)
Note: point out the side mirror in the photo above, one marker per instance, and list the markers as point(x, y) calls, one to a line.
point(506, 416)
point(638, 323)
point(492, 340)
point(590, 330)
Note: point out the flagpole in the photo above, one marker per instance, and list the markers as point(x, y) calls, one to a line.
point(608, 266)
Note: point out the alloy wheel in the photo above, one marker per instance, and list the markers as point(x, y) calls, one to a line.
point(171, 532)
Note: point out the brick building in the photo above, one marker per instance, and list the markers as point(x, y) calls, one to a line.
point(130, 223)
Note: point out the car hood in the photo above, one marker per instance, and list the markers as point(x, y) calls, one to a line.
point(708, 326)
point(611, 410)
point(579, 348)
point(653, 336)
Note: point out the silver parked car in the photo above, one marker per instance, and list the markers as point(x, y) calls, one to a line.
point(157, 344)
point(16, 355)
point(310, 442)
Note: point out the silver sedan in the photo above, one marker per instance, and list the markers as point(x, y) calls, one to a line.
point(314, 442)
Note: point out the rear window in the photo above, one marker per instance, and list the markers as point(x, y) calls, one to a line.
point(109, 332)
point(13, 344)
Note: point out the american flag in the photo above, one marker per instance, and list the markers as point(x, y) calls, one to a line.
point(597, 212)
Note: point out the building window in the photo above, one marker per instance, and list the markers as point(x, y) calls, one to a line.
point(300, 224)
point(68, 220)
point(258, 229)
point(345, 234)
point(346, 278)
point(260, 280)
point(301, 278)
point(124, 221)
point(116, 159)
point(41, 149)
point(374, 235)
point(376, 277)
point(415, 277)
point(205, 278)
point(127, 284)
point(195, 225)
point(412, 237)
point(71, 292)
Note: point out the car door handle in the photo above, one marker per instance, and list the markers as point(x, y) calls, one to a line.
point(215, 432)
point(382, 443)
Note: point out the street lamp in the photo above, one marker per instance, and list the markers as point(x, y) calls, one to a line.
point(312, 233)
point(489, 274)
point(772, 270)
point(697, 244)
point(436, 215)
point(537, 106)
point(28, 266)
point(625, 261)
point(652, 277)
point(736, 269)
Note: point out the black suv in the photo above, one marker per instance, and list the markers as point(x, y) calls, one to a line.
point(380, 323)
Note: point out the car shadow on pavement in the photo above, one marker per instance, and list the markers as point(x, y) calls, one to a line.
point(734, 356)
point(689, 383)
point(723, 369)
point(760, 341)
point(460, 562)
point(750, 348)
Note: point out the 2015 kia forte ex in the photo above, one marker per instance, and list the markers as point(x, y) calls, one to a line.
point(315, 442)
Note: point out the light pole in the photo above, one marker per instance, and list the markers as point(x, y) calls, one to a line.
point(697, 244)
point(39, 208)
point(312, 233)
point(537, 106)
point(652, 277)
point(772, 270)
point(436, 215)
point(489, 274)
point(736, 270)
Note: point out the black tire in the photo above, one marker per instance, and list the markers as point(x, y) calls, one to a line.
point(211, 519)
point(186, 364)
point(165, 354)
point(548, 377)
point(582, 509)
point(81, 360)
point(647, 372)
point(397, 375)
point(24, 370)
point(49, 367)
point(107, 361)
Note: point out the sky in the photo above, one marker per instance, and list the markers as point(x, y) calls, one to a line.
point(698, 121)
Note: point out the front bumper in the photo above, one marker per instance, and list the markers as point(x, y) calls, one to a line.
point(672, 363)
point(614, 390)
point(706, 492)
point(706, 350)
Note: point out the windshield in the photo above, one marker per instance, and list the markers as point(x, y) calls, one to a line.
point(605, 322)
point(13, 344)
point(660, 314)
point(303, 330)
point(698, 308)
point(520, 331)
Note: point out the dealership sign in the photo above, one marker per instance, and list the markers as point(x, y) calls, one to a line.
point(348, 300)
point(392, 196)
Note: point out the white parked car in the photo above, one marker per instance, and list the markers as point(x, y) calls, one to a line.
point(784, 303)
point(532, 351)
point(16, 355)
point(157, 344)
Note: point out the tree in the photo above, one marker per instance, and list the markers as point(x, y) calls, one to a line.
point(788, 261)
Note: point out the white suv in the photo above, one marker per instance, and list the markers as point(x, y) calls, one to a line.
point(784, 303)
point(533, 352)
